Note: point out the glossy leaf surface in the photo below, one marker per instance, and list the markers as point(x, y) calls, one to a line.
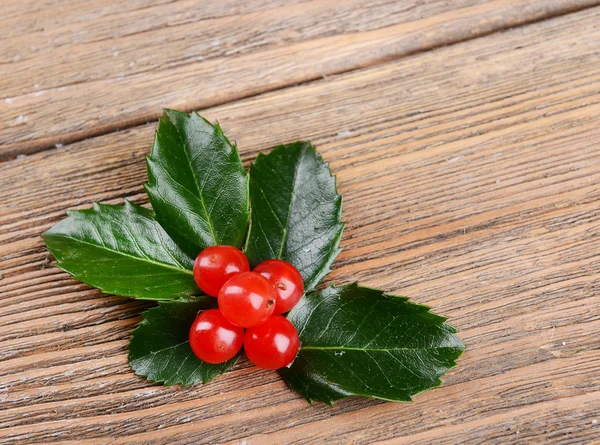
point(296, 211)
point(197, 184)
point(121, 250)
point(160, 350)
point(357, 341)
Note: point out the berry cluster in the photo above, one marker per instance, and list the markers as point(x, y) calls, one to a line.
point(247, 300)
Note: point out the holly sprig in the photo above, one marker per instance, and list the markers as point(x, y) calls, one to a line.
point(355, 341)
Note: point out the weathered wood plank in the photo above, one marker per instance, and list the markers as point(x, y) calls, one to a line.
point(503, 424)
point(71, 22)
point(80, 85)
point(136, 44)
point(469, 176)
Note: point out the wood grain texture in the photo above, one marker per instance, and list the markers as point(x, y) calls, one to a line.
point(131, 63)
point(470, 180)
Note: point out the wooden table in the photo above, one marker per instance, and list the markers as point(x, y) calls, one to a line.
point(465, 136)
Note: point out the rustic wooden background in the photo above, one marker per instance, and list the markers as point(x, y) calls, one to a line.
point(465, 136)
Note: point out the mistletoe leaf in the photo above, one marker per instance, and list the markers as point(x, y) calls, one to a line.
point(160, 351)
point(197, 184)
point(121, 250)
point(296, 211)
point(357, 341)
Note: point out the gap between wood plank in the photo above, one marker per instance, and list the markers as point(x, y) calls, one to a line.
point(11, 151)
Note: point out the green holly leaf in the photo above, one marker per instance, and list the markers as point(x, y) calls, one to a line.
point(296, 211)
point(357, 341)
point(197, 184)
point(160, 351)
point(121, 250)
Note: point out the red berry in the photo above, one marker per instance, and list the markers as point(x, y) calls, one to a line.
point(217, 264)
point(247, 299)
point(287, 281)
point(213, 338)
point(273, 344)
